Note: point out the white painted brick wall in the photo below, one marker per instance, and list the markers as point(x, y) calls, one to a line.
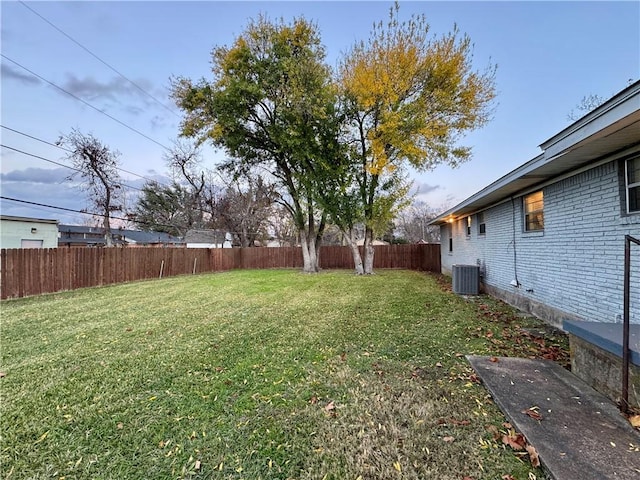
point(576, 265)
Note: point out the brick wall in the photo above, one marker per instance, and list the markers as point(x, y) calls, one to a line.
point(574, 269)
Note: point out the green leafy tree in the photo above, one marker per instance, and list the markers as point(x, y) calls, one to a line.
point(409, 97)
point(267, 107)
point(167, 209)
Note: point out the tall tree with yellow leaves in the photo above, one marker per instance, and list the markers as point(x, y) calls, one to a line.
point(409, 97)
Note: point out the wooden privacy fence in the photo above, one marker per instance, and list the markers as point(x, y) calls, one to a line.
point(25, 272)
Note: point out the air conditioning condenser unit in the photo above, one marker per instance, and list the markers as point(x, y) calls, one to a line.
point(466, 279)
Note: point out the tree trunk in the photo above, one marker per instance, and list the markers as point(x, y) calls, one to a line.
point(108, 240)
point(309, 252)
point(355, 251)
point(368, 251)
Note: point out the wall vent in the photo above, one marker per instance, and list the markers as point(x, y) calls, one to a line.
point(466, 279)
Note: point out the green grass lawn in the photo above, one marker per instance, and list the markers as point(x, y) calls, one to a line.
point(257, 375)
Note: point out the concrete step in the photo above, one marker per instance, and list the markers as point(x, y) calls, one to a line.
point(582, 435)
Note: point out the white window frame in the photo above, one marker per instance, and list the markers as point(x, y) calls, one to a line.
point(482, 223)
point(528, 213)
point(468, 226)
point(629, 186)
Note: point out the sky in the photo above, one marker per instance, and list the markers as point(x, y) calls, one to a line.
point(69, 65)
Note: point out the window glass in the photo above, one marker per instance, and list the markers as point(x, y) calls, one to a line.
point(468, 226)
point(633, 171)
point(634, 199)
point(534, 212)
point(482, 229)
point(633, 185)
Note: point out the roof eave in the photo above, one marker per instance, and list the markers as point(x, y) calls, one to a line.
point(622, 110)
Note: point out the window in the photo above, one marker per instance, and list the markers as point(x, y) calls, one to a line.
point(632, 175)
point(450, 244)
point(482, 228)
point(468, 226)
point(534, 212)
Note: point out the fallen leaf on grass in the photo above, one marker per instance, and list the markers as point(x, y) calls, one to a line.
point(533, 455)
point(397, 466)
point(2, 374)
point(439, 365)
point(448, 439)
point(120, 426)
point(508, 477)
point(453, 421)
point(467, 478)
point(514, 440)
point(493, 430)
point(634, 420)
point(42, 437)
point(197, 465)
point(313, 400)
point(330, 408)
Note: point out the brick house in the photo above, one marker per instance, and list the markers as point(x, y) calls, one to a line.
point(549, 237)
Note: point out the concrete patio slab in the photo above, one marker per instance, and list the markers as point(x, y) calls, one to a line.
point(581, 436)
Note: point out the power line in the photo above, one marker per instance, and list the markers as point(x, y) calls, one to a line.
point(71, 151)
point(85, 102)
point(40, 158)
point(80, 171)
point(81, 211)
point(60, 164)
point(94, 213)
point(51, 206)
point(36, 138)
point(100, 60)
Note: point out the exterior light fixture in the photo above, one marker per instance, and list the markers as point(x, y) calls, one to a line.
point(34, 229)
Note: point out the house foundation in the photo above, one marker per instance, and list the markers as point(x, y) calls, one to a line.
point(596, 358)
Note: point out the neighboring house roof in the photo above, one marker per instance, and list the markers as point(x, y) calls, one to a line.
point(148, 237)
point(84, 235)
point(10, 218)
point(205, 236)
point(611, 129)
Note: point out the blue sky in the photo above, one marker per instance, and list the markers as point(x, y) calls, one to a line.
point(549, 55)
